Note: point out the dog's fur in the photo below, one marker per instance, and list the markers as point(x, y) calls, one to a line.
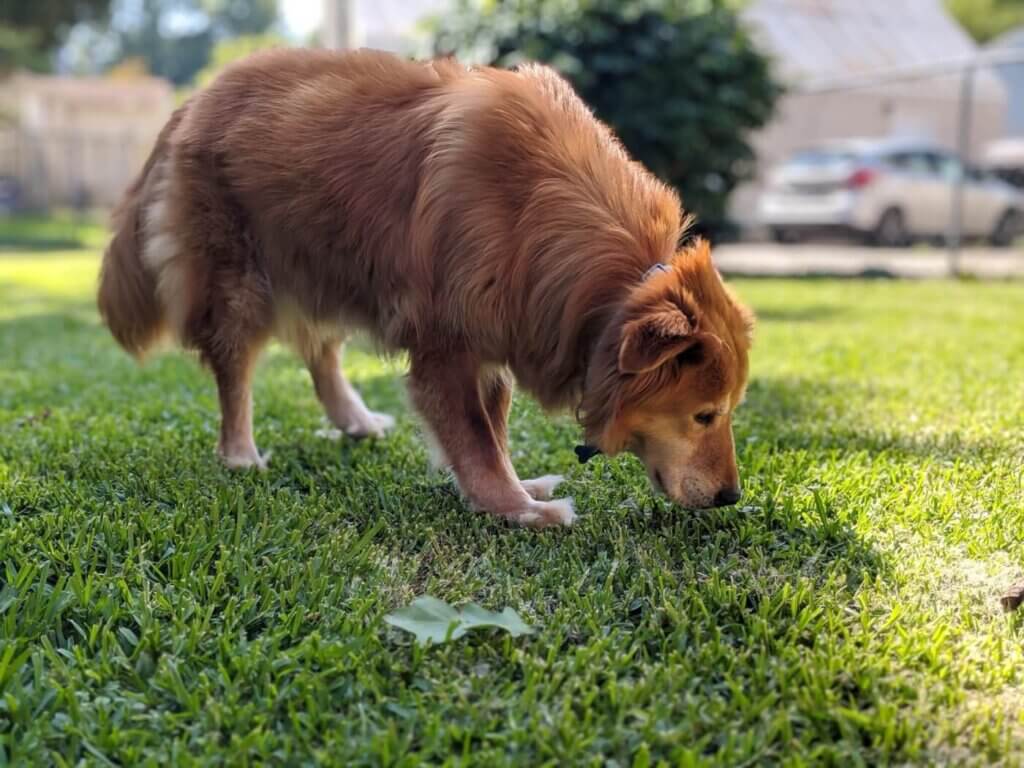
point(481, 219)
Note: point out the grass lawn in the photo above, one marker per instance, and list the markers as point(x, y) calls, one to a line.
point(155, 607)
point(54, 231)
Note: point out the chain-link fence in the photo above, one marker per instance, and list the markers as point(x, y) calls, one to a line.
point(67, 169)
point(962, 74)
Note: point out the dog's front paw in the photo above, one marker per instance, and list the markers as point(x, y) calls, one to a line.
point(368, 424)
point(244, 459)
point(547, 514)
point(376, 425)
point(542, 488)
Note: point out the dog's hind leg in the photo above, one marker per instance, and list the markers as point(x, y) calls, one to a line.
point(496, 391)
point(342, 403)
point(453, 398)
point(229, 328)
point(233, 367)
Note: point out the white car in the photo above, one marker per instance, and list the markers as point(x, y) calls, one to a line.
point(889, 192)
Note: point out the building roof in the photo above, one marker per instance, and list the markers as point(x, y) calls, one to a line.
point(826, 39)
point(1013, 78)
point(1012, 39)
point(394, 25)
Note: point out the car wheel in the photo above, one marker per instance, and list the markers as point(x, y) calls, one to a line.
point(891, 231)
point(1010, 227)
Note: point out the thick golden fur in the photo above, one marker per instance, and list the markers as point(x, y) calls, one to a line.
point(481, 219)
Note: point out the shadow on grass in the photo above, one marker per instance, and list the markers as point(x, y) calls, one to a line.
point(387, 485)
point(67, 231)
point(391, 481)
point(809, 314)
point(635, 572)
point(40, 249)
point(867, 274)
point(21, 304)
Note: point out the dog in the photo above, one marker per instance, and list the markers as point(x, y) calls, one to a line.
point(480, 219)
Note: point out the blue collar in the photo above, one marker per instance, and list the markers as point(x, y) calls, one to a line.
point(659, 267)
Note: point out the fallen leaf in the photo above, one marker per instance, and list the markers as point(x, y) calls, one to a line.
point(435, 621)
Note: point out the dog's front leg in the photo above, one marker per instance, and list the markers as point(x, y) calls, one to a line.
point(449, 393)
point(497, 396)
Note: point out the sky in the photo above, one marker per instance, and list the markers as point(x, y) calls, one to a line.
point(386, 24)
point(301, 17)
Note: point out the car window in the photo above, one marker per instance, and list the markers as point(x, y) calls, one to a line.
point(910, 162)
point(817, 157)
point(946, 166)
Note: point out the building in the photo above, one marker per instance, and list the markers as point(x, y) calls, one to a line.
point(387, 25)
point(818, 40)
point(1013, 78)
point(71, 141)
point(809, 40)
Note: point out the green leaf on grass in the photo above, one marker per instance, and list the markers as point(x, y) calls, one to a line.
point(434, 621)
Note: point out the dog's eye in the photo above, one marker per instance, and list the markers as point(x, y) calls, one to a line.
point(705, 419)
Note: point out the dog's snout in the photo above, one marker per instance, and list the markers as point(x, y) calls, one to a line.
point(727, 497)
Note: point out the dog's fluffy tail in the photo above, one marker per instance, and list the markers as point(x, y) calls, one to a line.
point(127, 289)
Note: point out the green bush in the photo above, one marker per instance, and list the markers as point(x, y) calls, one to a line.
point(680, 81)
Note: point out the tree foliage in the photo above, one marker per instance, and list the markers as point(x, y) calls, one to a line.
point(679, 81)
point(987, 19)
point(232, 50)
point(175, 38)
point(30, 29)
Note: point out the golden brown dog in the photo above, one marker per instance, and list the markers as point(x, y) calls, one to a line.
point(481, 219)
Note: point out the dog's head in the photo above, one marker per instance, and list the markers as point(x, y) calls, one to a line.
point(666, 376)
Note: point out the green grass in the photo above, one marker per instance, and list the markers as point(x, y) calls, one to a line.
point(54, 231)
point(154, 607)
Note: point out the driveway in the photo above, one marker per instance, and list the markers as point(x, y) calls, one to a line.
point(852, 260)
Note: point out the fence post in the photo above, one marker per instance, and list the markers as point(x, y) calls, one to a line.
point(959, 182)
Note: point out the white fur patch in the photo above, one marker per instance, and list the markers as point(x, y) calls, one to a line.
point(245, 459)
point(548, 514)
point(372, 424)
point(438, 460)
point(162, 255)
point(329, 433)
point(542, 488)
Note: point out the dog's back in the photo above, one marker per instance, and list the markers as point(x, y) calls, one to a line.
point(403, 197)
point(289, 175)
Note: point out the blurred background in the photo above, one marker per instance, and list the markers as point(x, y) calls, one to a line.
point(812, 135)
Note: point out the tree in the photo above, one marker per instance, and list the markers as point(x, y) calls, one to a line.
point(987, 19)
point(231, 50)
point(680, 82)
point(177, 37)
point(174, 37)
point(31, 29)
point(231, 18)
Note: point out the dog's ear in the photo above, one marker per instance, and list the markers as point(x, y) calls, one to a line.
point(655, 338)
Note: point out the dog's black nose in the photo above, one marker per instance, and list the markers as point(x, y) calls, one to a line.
point(727, 497)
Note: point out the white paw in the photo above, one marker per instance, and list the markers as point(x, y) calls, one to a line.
point(547, 514)
point(435, 453)
point(542, 488)
point(329, 433)
point(244, 459)
point(368, 424)
point(379, 424)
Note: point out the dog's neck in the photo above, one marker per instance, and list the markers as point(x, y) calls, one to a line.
point(585, 451)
